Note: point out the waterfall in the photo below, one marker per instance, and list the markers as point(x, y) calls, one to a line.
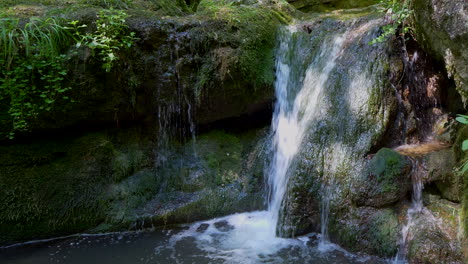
point(294, 112)
point(316, 91)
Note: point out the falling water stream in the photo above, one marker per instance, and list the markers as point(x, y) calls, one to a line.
point(240, 238)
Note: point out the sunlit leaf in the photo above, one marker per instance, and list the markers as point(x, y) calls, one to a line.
point(465, 145)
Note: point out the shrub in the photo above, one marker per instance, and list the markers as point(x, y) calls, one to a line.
point(111, 35)
point(399, 12)
point(31, 68)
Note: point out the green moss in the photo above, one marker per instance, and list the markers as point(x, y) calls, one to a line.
point(387, 165)
point(126, 197)
point(349, 234)
point(221, 153)
point(53, 194)
point(126, 163)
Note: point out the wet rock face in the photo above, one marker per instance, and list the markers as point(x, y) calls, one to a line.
point(386, 180)
point(365, 190)
point(355, 107)
point(440, 170)
point(441, 29)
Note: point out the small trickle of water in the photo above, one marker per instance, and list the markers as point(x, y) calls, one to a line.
point(417, 207)
point(325, 210)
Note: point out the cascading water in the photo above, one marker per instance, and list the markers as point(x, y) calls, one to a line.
point(294, 112)
point(413, 212)
point(252, 237)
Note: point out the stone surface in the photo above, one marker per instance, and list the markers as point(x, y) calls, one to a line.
point(370, 230)
point(355, 109)
point(441, 27)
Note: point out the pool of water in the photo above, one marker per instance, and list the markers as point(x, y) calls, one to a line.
point(239, 238)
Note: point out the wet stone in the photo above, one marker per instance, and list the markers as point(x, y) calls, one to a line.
point(202, 228)
point(223, 226)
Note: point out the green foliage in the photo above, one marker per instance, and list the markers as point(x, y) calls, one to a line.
point(464, 120)
point(110, 36)
point(399, 11)
point(31, 68)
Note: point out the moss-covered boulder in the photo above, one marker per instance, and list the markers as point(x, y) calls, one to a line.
point(355, 106)
point(440, 167)
point(366, 229)
point(386, 180)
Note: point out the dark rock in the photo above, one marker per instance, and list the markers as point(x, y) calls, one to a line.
point(183, 70)
point(202, 228)
point(223, 226)
point(110, 181)
point(320, 5)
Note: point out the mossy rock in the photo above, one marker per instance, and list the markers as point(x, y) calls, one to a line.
point(370, 230)
point(210, 204)
point(217, 174)
point(385, 180)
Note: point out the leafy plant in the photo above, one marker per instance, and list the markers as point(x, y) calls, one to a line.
point(398, 11)
point(111, 35)
point(464, 120)
point(31, 68)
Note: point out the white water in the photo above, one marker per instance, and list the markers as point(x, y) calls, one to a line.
point(292, 117)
